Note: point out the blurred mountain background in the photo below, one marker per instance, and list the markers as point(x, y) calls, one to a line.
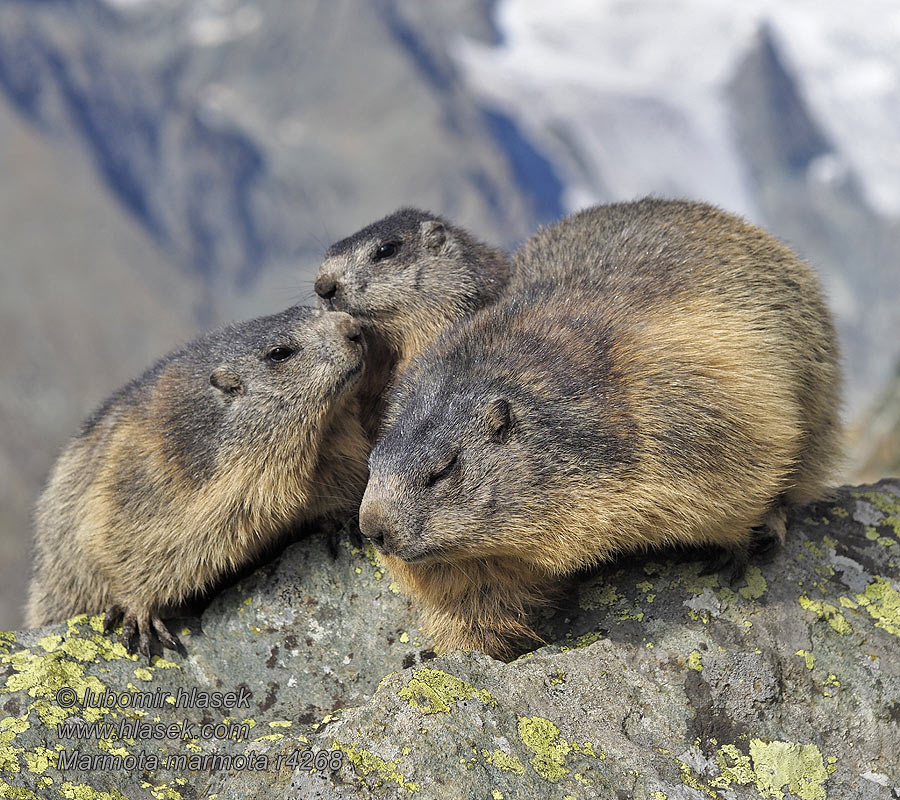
point(167, 165)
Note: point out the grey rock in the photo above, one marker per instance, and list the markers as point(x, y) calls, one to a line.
point(791, 690)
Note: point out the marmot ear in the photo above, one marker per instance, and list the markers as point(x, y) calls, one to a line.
point(227, 381)
point(500, 419)
point(434, 234)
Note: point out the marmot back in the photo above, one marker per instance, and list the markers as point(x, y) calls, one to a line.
point(193, 469)
point(407, 277)
point(658, 372)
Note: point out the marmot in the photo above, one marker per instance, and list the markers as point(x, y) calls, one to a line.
point(406, 277)
point(659, 372)
point(195, 468)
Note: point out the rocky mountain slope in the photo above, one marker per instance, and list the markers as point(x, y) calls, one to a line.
point(656, 683)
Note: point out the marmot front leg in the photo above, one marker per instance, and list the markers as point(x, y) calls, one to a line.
point(475, 604)
point(498, 632)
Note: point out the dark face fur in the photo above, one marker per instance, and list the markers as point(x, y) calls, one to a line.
point(299, 356)
point(442, 478)
point(386, 268)
point(269, 381)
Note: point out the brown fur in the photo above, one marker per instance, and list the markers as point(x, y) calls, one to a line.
point(658, 373)
point(437, 275)
point(194, 469)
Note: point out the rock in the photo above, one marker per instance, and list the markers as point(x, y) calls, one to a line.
point(655, 683)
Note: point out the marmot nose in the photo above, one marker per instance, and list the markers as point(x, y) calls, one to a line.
point(374, 526)
point(326, 287)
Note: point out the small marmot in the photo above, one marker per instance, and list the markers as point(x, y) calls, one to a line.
point(660, 373)
point(195, 468)
point(407, 277)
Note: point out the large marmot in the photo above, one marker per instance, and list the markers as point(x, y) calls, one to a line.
point(659, 373)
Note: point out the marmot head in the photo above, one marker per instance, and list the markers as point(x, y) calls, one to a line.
point(301, 355)
point(493, 437)
point(407, 274)
point(255, 388)
point(454, 471)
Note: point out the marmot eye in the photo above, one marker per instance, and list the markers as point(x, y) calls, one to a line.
point(386, 250)
point(444, 471)
point(279, 354)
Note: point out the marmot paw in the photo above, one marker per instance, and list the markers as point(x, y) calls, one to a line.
point(145, 624)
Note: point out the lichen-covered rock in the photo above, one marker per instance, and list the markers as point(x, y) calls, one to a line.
point(657, 683)
point(300, 637)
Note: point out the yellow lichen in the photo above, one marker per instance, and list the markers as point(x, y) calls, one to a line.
point(81, 791)
point(797, 767)
point(551, 749)
point(809, 658)
point(734, 767)
point(828, 612)
point(588, 639)
point(366, 763)
point(432, 691)
point(882, 602)
point(596, 596)
point(506, 762)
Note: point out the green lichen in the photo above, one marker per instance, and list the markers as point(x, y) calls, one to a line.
point(7, 640)
point(367, 763)
point(756, 584)
point(689, 577)
point(832, 681)
point(689, 779)
point(588, 639)
point(734, 767)
point(587, 749)
point(598, 595)
point(542, 736)
point(16, 793)
point(162, 791)
point(799, 767)
point(42, 676)
point(772, 767)
point(882, 602)
point(432, 691)
point(39, 759)
point(88, 648)
point(887, 504)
